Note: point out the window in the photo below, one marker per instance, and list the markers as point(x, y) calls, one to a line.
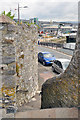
point(58, 63)
point(47, 55)
point(40, 54)
point(55, 61)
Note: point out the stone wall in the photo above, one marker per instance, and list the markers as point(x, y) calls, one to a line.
point(26, 64)
point(62, 91)
point(7, 67)
point(19, 66)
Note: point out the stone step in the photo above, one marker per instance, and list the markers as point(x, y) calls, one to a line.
point(49, 113)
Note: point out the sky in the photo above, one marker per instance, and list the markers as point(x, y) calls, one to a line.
point(55, 10)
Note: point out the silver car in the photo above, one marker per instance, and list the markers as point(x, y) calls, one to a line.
point(60, 65)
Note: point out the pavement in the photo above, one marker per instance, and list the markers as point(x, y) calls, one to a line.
point(50, 113)
point(62, 50)
point(33, 104)
point(66, 51)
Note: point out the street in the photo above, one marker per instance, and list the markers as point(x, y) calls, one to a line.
point(57, 54)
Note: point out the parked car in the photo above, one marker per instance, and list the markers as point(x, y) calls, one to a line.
point(60, 65)
point(46, 58)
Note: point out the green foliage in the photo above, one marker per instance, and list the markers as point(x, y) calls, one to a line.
point(29, 24)
point(17, 22)
point(3, 13)
point(12, 17)
point(38, 26)
point(8, 14)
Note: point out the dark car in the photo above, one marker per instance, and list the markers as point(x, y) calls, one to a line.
point(46, 58)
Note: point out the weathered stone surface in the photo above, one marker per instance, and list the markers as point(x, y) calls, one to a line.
point(8, 80)
point(8, 49)
point(11, 28)
point(9, 72)
point(8, 59)
point(62, 91)
point(26, 60)
point(18, 64)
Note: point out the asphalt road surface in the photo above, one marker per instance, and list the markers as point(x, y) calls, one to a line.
point(57, 54)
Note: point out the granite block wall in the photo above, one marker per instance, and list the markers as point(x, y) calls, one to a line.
point(26, 64)
point(18, 64)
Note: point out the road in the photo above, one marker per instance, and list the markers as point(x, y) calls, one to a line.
point(57, 54)
point(45, 72)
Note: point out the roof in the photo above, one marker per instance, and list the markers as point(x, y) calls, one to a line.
point(55, 26)
point(45, 52)
point(51, 27)
point(63, 60)
point(6, 19)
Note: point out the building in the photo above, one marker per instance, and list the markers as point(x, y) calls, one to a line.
point(34, 21)
point(54, 28)
point(50, 28)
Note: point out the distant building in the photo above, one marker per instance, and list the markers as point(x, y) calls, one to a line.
point(31, 20)
point(23, 20)
point(54, 28)
point(50, 28)
point(71, 37)
point(34, 21)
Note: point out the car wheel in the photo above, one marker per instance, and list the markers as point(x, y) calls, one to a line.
point(53, 69)
point(44, 63)
point(38, 60)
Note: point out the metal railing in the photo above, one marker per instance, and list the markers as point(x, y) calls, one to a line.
point(51, 44)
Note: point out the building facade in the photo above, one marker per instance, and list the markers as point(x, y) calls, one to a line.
point(34, 21)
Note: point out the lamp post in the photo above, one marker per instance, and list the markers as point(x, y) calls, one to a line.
point(19, 12)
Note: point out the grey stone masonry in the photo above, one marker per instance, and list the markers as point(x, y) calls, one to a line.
point(26, 64)
point(18, 65)
point(7, 67)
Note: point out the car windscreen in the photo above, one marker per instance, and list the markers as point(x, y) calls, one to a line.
point(65, 65)
point(47, 55)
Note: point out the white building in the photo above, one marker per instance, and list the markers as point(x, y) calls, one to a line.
point(54, 28)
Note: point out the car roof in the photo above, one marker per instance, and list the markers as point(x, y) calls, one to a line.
point(63, 60)
point(44, 52)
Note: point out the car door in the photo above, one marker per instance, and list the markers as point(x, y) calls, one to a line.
point(40, 57)
point(59, 68)
point(55, 65)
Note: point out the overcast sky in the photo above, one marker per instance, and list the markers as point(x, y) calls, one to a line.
point(56, 10)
